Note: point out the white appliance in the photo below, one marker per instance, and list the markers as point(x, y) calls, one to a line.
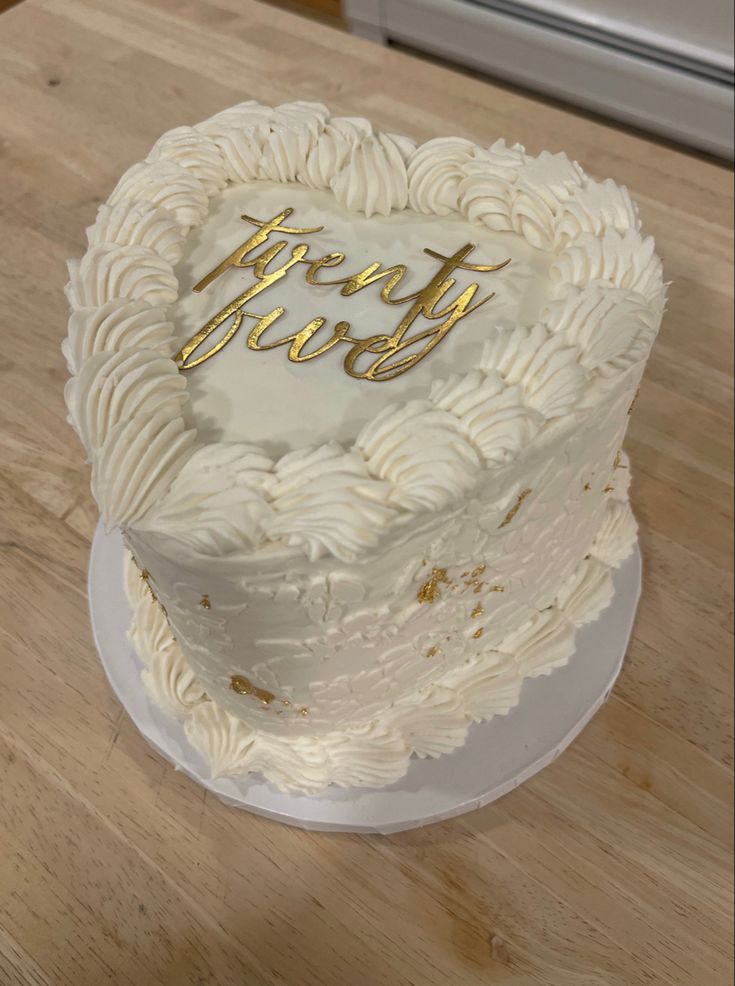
point(665, 66)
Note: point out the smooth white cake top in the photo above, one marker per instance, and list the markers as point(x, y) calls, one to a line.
point(243, 395)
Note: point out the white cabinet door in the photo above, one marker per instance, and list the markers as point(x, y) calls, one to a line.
point(696, 35)
point(664, 66)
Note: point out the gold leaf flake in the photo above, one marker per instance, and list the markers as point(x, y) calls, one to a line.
point(244, 686)
point(429, 591)
point(515, 508)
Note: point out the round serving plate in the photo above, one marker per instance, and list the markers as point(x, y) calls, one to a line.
point(498, 756)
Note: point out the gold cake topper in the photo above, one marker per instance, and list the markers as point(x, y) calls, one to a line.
point(390, 352)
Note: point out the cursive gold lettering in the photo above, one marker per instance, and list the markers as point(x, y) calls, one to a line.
point(297, 339)
point(330, 260)
point(393, 354)
point(368, 276)
point(264, 230)
point(264, 280)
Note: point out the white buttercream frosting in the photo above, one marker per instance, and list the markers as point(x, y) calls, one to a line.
point(320, 564)
point(294, 130)
point(324, 499)
point(138, 463)
point(539, 195)
point(217, 503)
point(545, 642)
point(618, 530)
point(332, 151)
point(427, 721)
point(420, 450)
point(235, 117)
point(491, 415)
point(117, 324)
point(114, 387)
point(624, 261)
point(223, 740)
point(108, 271)
point(546, 199)
point(611, 327)
point(139, 223)
point(194, 151)
point(373, 179)
point(171, 685)
point(149, 632)
point(435, 171)
point(589, 590)
point(240, 135)
point(542, 366)
point(168, 185)
point(485, 191)
point(595, 207)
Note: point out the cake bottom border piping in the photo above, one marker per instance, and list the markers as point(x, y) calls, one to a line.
point(432, 721)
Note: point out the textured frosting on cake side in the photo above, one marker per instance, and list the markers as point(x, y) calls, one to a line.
point(338, 604)
point(429, 721)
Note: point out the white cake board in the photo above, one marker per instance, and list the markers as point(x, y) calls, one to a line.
point(498, 755)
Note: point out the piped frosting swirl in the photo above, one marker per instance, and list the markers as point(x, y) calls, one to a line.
point(415, 457)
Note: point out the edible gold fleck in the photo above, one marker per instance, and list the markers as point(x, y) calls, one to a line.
point(477, 611)
point(474, 577)
point(608, 489)
point(515, 508)
point(145, 576)
point(432, 652)
point(478, 633)
point(496, 588)
point(303, 712)
point(244, 686)
point(429, 591)
point(204, 602)
point(587, 487)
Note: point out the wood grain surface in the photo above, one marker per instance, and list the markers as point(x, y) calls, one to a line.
point(610, 868)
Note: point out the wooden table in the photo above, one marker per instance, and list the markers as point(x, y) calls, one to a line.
point(610, 867)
